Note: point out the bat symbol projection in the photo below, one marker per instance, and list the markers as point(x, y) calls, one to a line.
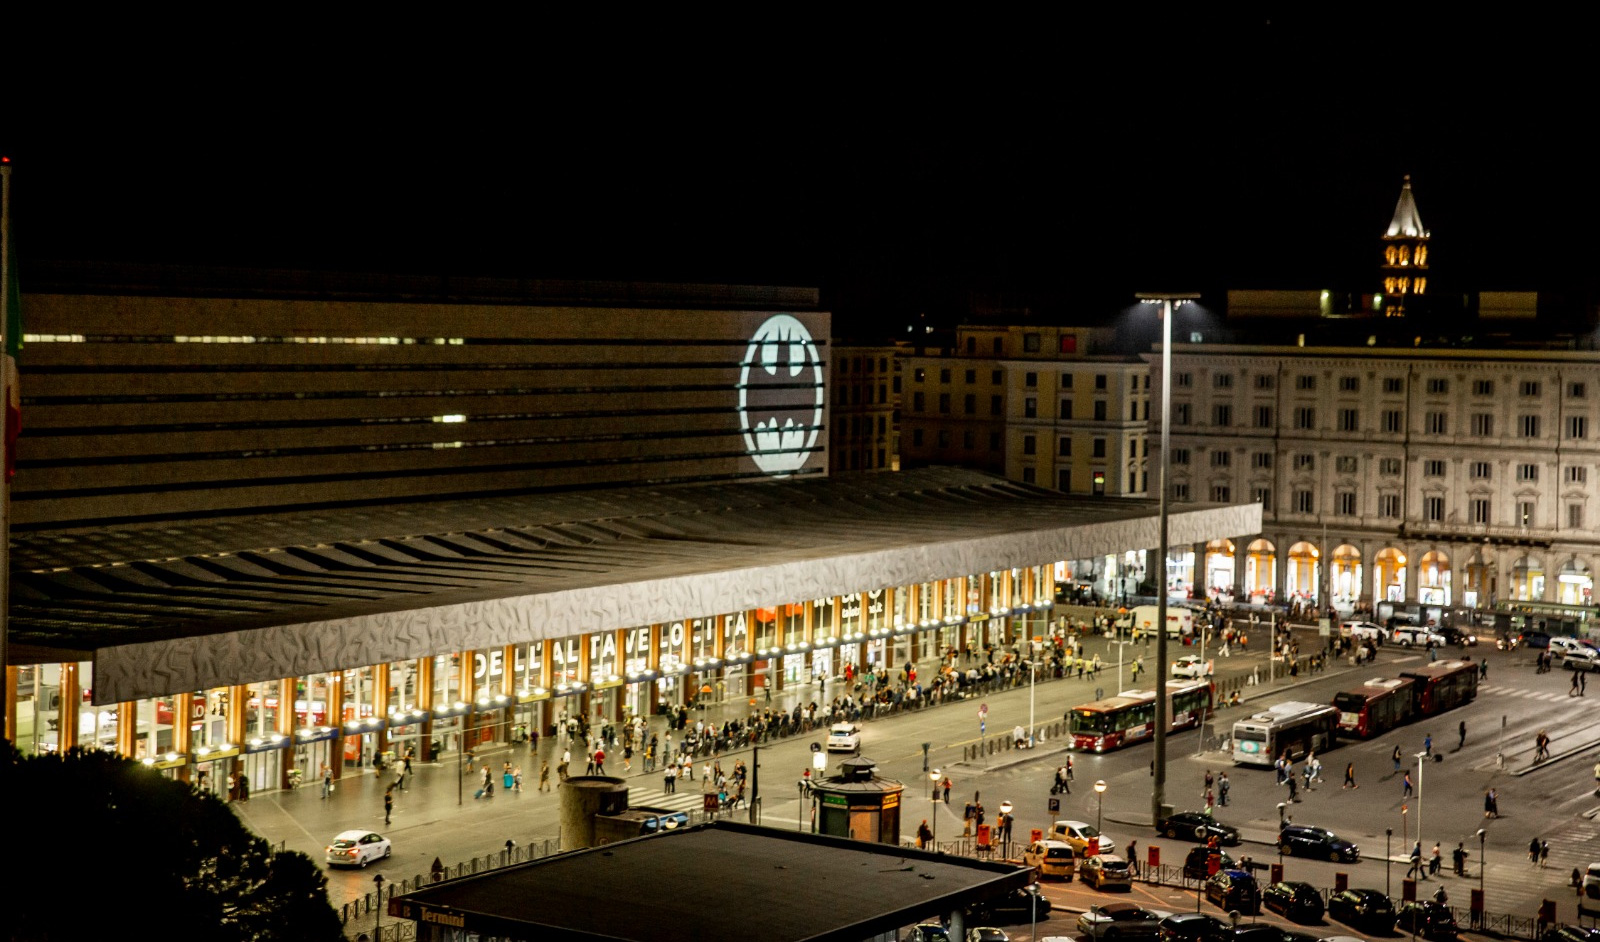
point(780, 395)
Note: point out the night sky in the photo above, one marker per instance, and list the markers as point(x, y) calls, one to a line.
point(1057, 175)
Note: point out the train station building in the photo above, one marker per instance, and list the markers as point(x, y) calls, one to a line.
point(268, 521)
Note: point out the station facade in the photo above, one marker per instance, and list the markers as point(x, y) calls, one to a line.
point(275, 546)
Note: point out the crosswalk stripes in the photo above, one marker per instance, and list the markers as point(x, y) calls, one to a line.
point(1546, 696)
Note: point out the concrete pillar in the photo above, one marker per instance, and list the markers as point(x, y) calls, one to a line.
point(582, 797)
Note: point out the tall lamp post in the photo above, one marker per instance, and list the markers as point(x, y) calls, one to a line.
point(1420, 757)
point(933, 807)
point(1158, 791)
point(377, 928)
point(1005, 827)
point(1099, 806)
point(1388, 858)
point(1482, 866)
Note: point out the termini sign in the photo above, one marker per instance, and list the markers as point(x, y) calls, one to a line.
point(780, 395)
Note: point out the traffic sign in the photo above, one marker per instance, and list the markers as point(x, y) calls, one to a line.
point(816, 747)
point(1055, 806)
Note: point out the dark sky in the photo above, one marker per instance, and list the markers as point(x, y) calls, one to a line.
point(1037, 165)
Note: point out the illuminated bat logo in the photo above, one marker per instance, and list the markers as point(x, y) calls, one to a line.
point(780, 395)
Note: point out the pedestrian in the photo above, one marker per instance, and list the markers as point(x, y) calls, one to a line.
point(516, 778)
point(1133, 858)
point(1427, 744)
point(388, 803)
point(327, 780)
point(669, 779)
point(1350, 776)
point(1396, 757)
point(1209, 781)
point(1533, 852)
point(1483, 669)
point(1573, 692)
point(1222, 789)
point(599, 762)
point(947, 785)
point(924, 834)
point(1544, 854)
point(544, 775)
point(1435, 862)
point(1406, 789)
point(627, 757)
point(1541, 746)
point(1458, 859)
point(1493, 800)
point(1294, 793)
point(1462, 729)
point(1416, 869)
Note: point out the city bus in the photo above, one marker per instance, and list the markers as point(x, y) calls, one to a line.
point(1442, 686)
point(1130, 717)
point(1375, 707)
point(1294, 728)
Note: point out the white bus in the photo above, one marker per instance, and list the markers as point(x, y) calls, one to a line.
point(1294, 728)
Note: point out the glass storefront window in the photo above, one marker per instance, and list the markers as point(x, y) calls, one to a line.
point(793, 618)
point(877, 614)
point(766, 629)
point(529, 667)
point(603, 657)
point(402, 685)
point(823, 621)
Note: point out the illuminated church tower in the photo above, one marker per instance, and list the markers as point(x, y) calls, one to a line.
point(1405, 255)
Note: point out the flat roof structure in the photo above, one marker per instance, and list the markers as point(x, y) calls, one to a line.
point(720, 880)
point(183, 605)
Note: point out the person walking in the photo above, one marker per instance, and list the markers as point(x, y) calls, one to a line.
point(1544, 854)
point(947, 786)
point(1350, 776)
point(1138, 665)
point(1396, 757)
point(544, 775)
point(1222, 789)
point(388, 803)
point(1416, 869)
point(1462, 729)
point(1210, 780)
point(924, 834)
point(1491, 803)
point(1533, 852)
point(669, 779)
point(1458, 859)
point(599, 762)
point(327, 780)
point(1427, 745)
point(1406, 789)
point(1573, 691)
point(1294, 792)
point(1541, 746)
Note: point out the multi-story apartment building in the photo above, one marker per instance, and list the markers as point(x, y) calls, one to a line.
point(1440, 476)
point(1041, 405)
point(864, 382)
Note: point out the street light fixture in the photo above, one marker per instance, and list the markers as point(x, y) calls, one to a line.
point(1099, 805)
point(933, 809)
point(1420, 756)
point(377, 929)
point(1388, 835)
point(1005, 826)
point(1482, 866)
point(1158, 792)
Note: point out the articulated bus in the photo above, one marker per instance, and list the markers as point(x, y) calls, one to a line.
point(1374, 708)
point(1131, 716)
point(1294, 728)
point(1442, 686)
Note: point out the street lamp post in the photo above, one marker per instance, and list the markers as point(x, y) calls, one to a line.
point(933, 807)
point(1420, 757)
point(377, 929)
point(1388, 835)
point(1482, 866)
point(1099, 805)
point(1159, 786)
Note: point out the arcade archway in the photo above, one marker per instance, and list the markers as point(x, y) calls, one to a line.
point(1478, 580)
point(1575, 585)
point(1389, 576)
point(1219, 567)
point(1260, 571)
point(1345, 576)
point(1527, 579)
point(1433, 579)
point(1301, 581)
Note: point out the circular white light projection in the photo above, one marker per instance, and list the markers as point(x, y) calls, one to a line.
point(780, 395)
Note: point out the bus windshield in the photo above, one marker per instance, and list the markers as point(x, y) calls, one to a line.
point(1090, 721)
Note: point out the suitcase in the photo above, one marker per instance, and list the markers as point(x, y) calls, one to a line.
point(478, 793)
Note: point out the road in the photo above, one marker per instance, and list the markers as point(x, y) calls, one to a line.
point(1555, 800)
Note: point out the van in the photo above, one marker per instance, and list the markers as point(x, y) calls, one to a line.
point(1180, 621)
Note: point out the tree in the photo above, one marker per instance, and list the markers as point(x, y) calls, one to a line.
point(121, 851)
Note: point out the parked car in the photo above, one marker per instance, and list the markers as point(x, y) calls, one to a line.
point(844, 737)
point(1591, 881)
point(1581, 659)
point(1195, 826)
point(1258, 932)
point(1561, 644)
point(1190, 927)
point(1113, 921)
point(1024, 904)
point(356, 849)
point(1428, 919)
point(1570, 934)
point(987, 934)
point(1196, 867)
point(1532, 639)
point(1363, 631)
point(1362, 909)
point(1051, 858)
point(1078, 834)
point(1295, 900)
point(1234, 889)
point(1408, 635)
point(1191, 666)
point(1457, 637)
point(929, 932)
point(1103, 870)
point(1306, 841)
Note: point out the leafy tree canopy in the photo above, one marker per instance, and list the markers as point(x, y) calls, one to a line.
point(105, 848)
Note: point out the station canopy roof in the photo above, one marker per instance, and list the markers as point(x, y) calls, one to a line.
point(808, 886)
point(189, 605)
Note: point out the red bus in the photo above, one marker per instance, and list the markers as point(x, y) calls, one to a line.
point(1442, 686)
point(1375, 707)
point(1131, 717)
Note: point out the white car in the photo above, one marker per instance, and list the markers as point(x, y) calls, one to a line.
point(1078, 834)
point(357, 849)
point(1408, 635)
point(1560, 646)
point(1581, 659)
point(1113, 921)
point(844, 737)
point(1191, 666)
point(1362, 631)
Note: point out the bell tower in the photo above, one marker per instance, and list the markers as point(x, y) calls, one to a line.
point(1405, 256)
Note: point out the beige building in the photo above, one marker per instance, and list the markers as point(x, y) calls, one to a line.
point(1041, 405)
point(864, 385)
point(1445, 477)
